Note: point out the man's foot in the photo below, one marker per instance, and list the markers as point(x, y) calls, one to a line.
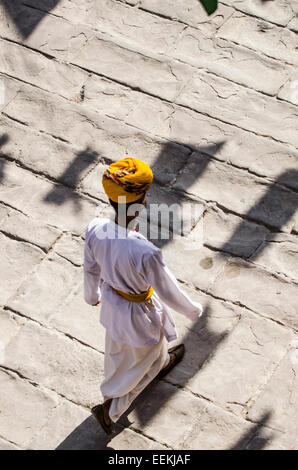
point(176, 354)
point(101, 414)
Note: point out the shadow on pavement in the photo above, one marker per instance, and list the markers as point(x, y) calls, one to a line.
point(252, 440)
point(71, 178)
point(87, 436)
point(27, 19)
point(278, 205)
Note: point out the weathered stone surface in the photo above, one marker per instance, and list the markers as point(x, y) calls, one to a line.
point(218, 139)
point(80, 320)
point(9, 327)
point(19, 423)
point(135, 29)
point(4, 211)
point(230, 233)
point(18, 259)
point(215, 429)
point(8, 90)
point(279, 253)
point(279, 11)
point(46, 155)
point(152, 76)
point(35, 68)
point(289, 91)
point(293, 25)
point(95, 133)
point(237, 105)
point(190, 263)
point(228, 60)
point(216, 181)
point(5, 445)
point(29, 229)
point(150, 414)
point(193, 13)
point(252, 350)
point(161, 203)
point(109, 97)
point(35, 298)
point(56, 362)
point(46, 33)
point(53, 204)
point(63, 421)
point(281, 406)
point(202, 338)
point(270, 439)
point(259, 35)
point(258, 290)
point(71, 248)
point(129, 440)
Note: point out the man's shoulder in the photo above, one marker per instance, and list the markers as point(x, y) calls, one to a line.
point(96, 222)
point(142, 244)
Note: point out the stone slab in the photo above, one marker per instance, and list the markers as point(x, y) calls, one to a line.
point(252, 351)
point(52, 204)
point(215, 429)
point(18, 259)
point(203, 338)
point(279, 11)
point(271, 40)
point(231, 61)
point(34, 298)
point(46, 33)
point(193, 13)
point(279, 253)
point(259, 290)
point(161, 78)
point(71, 248)
point(240, 106)
point(5, 445)
point(57, 363)
point(215, 138)
point(19, 423)
point(191, 263)
point(31, 230)
point(62, 422)
point(45, 155)
point(232, 234)
point(162, 407)
point(32, 67)
point(80, 320)
point(281, 406)
point(289, 91)
point(269, 204)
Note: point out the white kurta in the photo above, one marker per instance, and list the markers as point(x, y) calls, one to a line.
point(136, 332)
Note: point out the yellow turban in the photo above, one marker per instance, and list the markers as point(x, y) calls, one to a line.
point(128, 177)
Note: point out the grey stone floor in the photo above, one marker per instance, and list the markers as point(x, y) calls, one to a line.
point(211, 104)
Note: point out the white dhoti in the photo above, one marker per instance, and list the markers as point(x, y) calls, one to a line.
point(129, 370)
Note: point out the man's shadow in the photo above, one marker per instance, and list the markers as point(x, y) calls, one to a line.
point(27, 19)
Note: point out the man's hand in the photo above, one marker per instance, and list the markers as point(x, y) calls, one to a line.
point(196, 314)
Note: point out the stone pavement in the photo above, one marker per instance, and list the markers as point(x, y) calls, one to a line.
point(211, 104)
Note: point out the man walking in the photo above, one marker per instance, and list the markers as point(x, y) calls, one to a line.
point(126, 274)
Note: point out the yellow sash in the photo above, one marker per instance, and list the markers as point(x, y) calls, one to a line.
point(142, 297)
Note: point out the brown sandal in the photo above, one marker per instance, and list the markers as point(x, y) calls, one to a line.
point(178, 352)
point(98, 413)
